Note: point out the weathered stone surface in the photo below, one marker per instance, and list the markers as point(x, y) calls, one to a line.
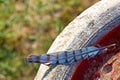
point(111, 69)
point(78, 33)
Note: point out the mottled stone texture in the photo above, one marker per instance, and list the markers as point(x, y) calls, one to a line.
point(77, 34)
point(111, 69)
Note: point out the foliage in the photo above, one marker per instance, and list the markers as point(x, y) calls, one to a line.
point(30, 26)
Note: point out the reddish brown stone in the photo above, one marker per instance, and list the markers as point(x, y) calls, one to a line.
point(111, 69)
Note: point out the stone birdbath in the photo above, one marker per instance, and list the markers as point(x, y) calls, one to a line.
point(97, 25)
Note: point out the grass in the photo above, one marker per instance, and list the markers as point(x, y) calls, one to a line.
point(30, 26)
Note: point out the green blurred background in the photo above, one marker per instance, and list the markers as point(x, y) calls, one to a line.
point(30, 26)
